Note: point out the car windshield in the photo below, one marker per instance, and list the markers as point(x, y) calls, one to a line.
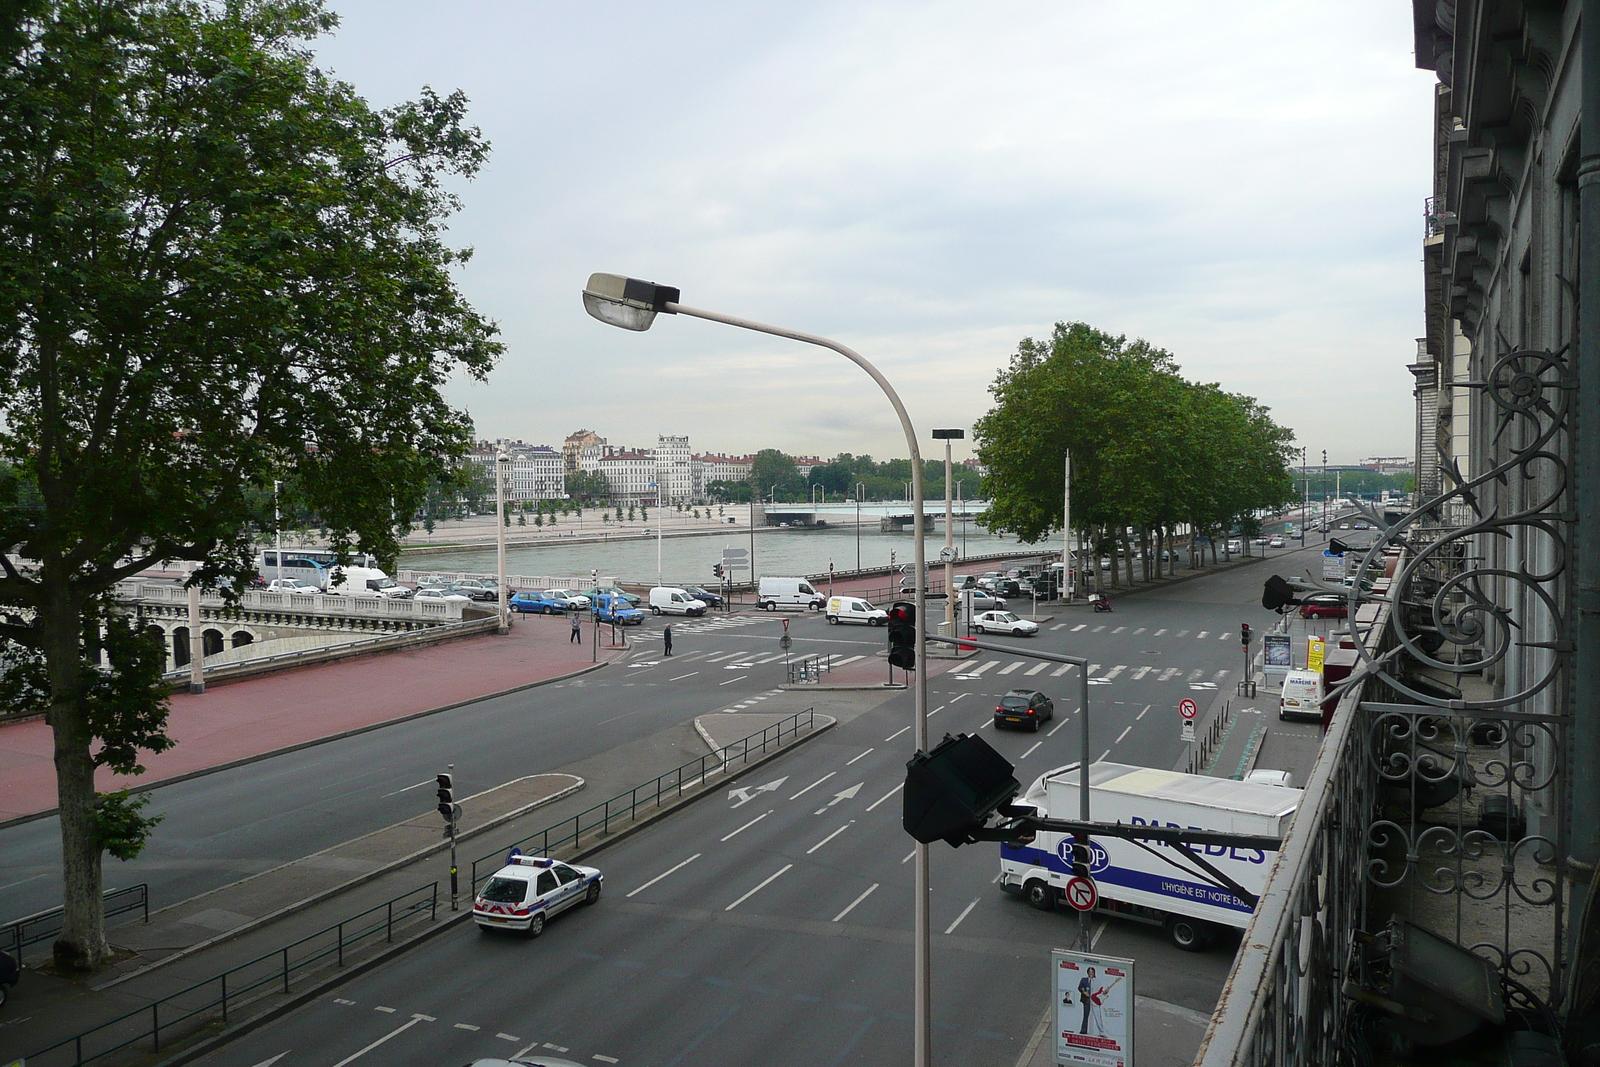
point(1014, 700)
point(505, 890)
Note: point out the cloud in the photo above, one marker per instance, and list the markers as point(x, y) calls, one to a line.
point(1239, 183)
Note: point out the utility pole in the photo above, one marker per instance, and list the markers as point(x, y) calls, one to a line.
point(949, 553)
point(1066, 527)
point(197, 642)
point(502, 461)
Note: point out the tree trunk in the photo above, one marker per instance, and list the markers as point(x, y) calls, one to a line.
point(82, 944)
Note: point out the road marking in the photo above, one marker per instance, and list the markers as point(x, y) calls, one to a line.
point(1166, 675)
point(851, 906)
point(1103, 756)
point(341, 1000)
point(852, 659)
point(1202, 635)
point(605, 1059)
point(1056, 727)
point(886, 796)
point(720, 656)
point(681, 677)
point(937, 710)
point(748, 793)
point(396, 793)
point(830, 837)
point(1036, 669)
point(1195, 676)
point(1159, 632)
point(741, 678)
point(1222, 637)
point(523, 1052)
point(913, 852)
point(1221, 675)
point(1139, 716)
point(380, 1007)
point(770, 879)
point(1078, 627)
point(1119, 629)
point(847, 794)
point(775, 657)
point(467, 1026)
point(1139, 631)
point(508, 1037)
point(1058, 626)
point(868, 752)
point(415, 1019)
point(813, 785)
point(1140, 672)
point(964, 913)
point(1008, 668)
point(558, 1048)
point(747, 825)
point(1183, 633)
point(1063, 669)
point(1123, 734)
point(986, 666)
point(663, 874)
point(985, 722)
point(1097, 629)
point(896, 734)
point(962, 696)
point(1028, 753)
point(263, 1063)
point(1113, 672)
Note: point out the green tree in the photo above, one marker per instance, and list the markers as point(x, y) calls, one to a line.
point(588, 486)
point(218, 266)
point(772, 468)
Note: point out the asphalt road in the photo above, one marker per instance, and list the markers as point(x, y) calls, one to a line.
point(772, 925)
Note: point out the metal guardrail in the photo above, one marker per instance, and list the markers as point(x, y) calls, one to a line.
point(810, 668)
point(624, 807)
point(45, 925)
point(273, 969)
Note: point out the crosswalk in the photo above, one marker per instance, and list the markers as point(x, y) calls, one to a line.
point(712, 623)
point(1200, 636)
point(1099, 673)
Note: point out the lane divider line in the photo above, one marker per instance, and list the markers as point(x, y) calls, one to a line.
point(747, 825)
point(964, 913)
point(851, 906)
point(863, 755)
point(830, 837)
point(886, 796)
point(663, 874)
point(769, 880)
point(813, 785)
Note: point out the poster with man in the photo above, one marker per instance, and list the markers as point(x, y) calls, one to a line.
point(1093, 1008)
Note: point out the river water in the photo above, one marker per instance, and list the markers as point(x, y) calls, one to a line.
point(688, 559)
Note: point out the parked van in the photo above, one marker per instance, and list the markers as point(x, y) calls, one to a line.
point(1302, 696)
point(775, 593)
point(668, 600)
point(854, 609)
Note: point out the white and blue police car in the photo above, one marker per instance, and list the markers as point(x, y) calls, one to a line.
point(529, 890)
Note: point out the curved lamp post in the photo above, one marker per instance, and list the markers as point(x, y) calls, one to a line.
point(633, 305)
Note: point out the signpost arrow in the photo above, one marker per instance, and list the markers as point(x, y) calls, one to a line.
point(749, 793)
point(845, 794)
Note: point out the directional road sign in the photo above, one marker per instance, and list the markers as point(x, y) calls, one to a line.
point(1081, 893)
point(1188, 708)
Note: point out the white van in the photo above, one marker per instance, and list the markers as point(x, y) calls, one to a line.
point(1302, 696)
point(777, 593)
point(854, 609)
point(667, 600)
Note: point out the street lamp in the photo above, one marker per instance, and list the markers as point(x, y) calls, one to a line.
point(502, 461)
point(633, 305)
point(949, 553)
point(860, 486)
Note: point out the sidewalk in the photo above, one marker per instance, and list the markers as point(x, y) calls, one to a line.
point(256, 717)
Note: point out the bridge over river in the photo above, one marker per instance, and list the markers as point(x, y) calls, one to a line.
point(889, 515)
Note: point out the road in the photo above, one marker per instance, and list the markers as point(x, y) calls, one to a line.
point(771, 923)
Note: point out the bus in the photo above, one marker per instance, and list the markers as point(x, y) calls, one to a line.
point(310, 566)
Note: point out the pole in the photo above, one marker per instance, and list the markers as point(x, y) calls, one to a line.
point(197, 643)
point(501, 461)
point(1083, 780)
point(277, 528)
point(658, 535)
point(1066, 526)
point(858, 527)
point(594, 616)
point(922, 1027)
point(753, 536)
point(455, 895)
point(950, 543)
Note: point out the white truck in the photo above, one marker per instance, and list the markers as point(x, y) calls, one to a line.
point(1142, 885)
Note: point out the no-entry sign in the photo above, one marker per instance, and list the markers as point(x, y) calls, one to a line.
point(1188, 708)
point(1081, 893)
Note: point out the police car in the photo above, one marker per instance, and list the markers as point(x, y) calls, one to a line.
point(529, 890)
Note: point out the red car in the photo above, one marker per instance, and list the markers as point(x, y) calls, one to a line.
point(1325, 606)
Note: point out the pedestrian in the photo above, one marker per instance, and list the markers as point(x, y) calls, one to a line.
point(577, 636)
point(666, 637)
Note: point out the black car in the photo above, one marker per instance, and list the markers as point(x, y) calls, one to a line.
point(705, 596)
point(1021, 707)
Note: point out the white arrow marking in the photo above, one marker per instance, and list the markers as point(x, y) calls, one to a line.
point(843, 795)
point(748, 794)
point(275, 1059)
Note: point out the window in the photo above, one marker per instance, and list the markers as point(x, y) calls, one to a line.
point(567, 874)
point(547, 882)
point(505, 890)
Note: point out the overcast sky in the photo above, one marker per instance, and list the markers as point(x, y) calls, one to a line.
point(1239, 183)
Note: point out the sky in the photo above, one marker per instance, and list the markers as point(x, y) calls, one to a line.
point(1240, 183)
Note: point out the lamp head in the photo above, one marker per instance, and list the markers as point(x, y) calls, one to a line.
point(626, 302)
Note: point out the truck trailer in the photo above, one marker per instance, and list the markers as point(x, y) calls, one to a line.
point(1151, 882)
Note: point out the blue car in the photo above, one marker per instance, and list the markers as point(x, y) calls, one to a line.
point(609, 608)
point(538, 602)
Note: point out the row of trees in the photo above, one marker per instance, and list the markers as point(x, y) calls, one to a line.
point(1151, 451)
point(774, 476)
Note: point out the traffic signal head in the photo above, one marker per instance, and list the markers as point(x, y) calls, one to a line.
point(903, 635)
point(1082, 856)
point(447, 796)
point(1244, 634)
point(1277, 594)
point(716, 568)
point(952, 790)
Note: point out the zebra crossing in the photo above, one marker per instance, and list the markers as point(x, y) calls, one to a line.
point(711, 624)
point(1200, 636)
point(1099, 673)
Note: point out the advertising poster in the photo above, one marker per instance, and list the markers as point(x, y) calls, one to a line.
point(1276, 647)
point(1314, 653)
point(1093, 1008)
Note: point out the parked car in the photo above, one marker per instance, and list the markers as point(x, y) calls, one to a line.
point(433, 592)
point(538, 602)
point(611, 608)
point(633, 599)
point(575, 601)
point(474, 589)
point(435, 580)
point(672, 600)
point(1323, 606)
point(1276, 542)
point(290, 585)
point(982, 601)
point(1235, 545)
point(710, 599)
point(1003, 622)
point(1024, 707)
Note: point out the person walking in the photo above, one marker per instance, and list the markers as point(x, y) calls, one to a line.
point(577, 635)
point(666, 637)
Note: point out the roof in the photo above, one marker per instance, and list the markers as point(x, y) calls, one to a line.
point(1250, 798)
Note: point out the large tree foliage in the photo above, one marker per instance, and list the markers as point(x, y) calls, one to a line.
point(1150, 450)
point(218, 266)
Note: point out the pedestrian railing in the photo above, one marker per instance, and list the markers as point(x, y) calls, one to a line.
point(47, 925)
point(269, 973)
point(623, 808)
point(810, 669)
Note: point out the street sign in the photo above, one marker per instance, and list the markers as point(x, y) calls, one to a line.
point(909, 569)
point(1188, 730)
point(1188, 708)
point(735, 553)
point(786, 642)
point(1081, 893)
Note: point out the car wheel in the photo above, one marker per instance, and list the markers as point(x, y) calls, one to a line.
point(1040, 895)
point(1036, 724)
point(536, 925)
point(979, 628)
point(1190, 935)
point(654, 610)
point(833, 620)
point(593, 895)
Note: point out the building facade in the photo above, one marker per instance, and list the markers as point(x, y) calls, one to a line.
point(675, 470)
point(573, 447)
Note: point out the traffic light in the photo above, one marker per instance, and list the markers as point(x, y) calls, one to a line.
point(952, 790)
point(903, 635)
point(1244, 634)
point(716, 568)
point(1277, 594)
point(447, 797)
point(1082, 856)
